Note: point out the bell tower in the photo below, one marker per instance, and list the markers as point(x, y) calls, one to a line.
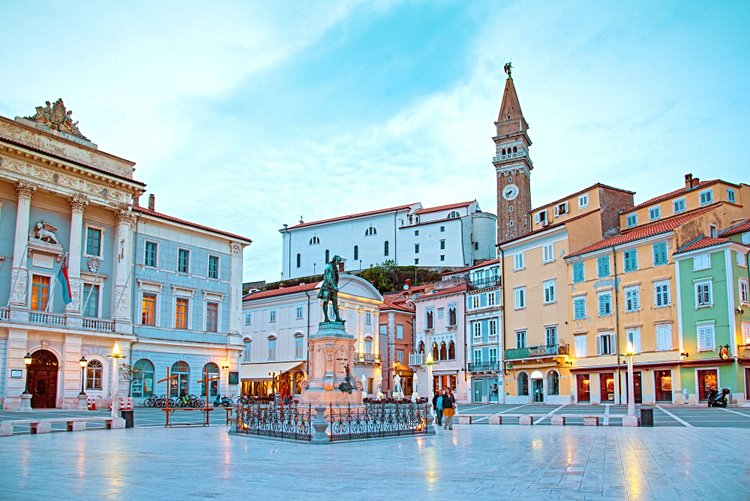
point(512, 166)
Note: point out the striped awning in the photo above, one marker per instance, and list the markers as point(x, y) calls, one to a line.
point(261, 371)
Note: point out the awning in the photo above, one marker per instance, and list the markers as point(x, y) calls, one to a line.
point(537, 375)
point(261, 370)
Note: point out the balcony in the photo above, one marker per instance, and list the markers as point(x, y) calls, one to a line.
point(416, 359)
point(485, 283)
point(44, 318)
point(4, 314)
point(500, 158)
point(484, 367)
point(536, 352)
point(97, 324)
point(366, 358)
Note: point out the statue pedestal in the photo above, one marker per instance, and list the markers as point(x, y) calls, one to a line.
point(332, 351)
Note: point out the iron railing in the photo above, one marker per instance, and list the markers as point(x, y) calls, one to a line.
point(484, 367)
point(377, 420)
point(485, 283)
point(366, 358)
point(536, 351)
point(290, 422)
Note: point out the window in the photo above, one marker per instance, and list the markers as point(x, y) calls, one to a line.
point(441, 313)
point(442, 257)
point(451, 316)
point(703, 294)
point(605, 303)
point(632, 299)
point(90, 306)
point(272, 316)
point(551, 335)
point(213, 267)
point(707, 197)
point(442, 245)
point(561, 209)
point(149, 258)
point(400, 356)
point(548, 253)
point(553, 383)
point(741, 259)
point(744, 295)
point(678, 205)
point(443, 351)
point(634, 337)
point(429, 322)
point(314, 241)
point(520, 297)
point(549, 291)
point(730, 195)
point(248, 319)
point(213, 372)
point(299, 312)
point(477, 329)
point(368, 318)
point(541, 217)
point(579, 308)
point(142, 384)
point(94, 375)
point(518, 261)
point(583, 201)
point(523, 384)
point(39, 292)
point(701, 262)
point(578, 272)
point(631, 259)
point(654, 213)
point(356, 252)
point(435, 352)
point(605, 344)
point(93, 242)
point(180, 385)
point(660, 253)
point(299, 260)
point(442, 229)
point(631, 220)
point(399, 331)
point(416, 248)
point(183, 260)
point(580, 345)
point(493, 327)
point(477, 357)
point(148, 309)
point(713, 231)
point(385, 248)
point(327, 256)
point(453, 214)
point(664, 337)
point(491, 299)
point(298, 345)
point(271, 348)
point(212, 316)
point(661, 294)
point(248, 351)
point(706, 338)
point(475, 301)
point(493, 355)
point(520, 339)
point(181, 313)
point(416, 233)
point(371, 231)
point(602, 266)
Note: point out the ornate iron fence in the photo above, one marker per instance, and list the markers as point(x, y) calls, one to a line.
point(290, 422)
point(377, 420)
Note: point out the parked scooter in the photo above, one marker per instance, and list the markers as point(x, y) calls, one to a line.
point(225, 401)
point(716, 399)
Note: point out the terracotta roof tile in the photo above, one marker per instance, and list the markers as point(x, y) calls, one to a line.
point(740, 227)
point(282, 291)
point(427, 210)
point(648, 230)
point(442, 292)
point(579, 192)
point(353, 216)
point(396, 302)
point(546, 228)
point(149, 212)
point(701, 242)
point(671, 194)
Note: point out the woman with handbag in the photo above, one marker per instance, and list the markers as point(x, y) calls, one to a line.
point(449, 409)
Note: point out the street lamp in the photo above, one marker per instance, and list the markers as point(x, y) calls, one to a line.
point(26, 363)
point(429, 362)
point(630, 419)
point(83, 362)
point(115, 356)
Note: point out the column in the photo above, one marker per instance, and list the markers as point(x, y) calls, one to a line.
point(235, 291)
point(77, 204)
point(19, 273)
point(122, 270)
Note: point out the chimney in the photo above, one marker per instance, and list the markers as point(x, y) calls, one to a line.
point(341, 267)
point(408, 283)
point(137, 200)
point(695, 182)
point(152, 202)
point(688, 181)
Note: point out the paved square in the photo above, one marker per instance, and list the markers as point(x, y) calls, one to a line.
point(471, 462)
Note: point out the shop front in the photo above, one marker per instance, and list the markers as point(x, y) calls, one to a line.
point(264, 380)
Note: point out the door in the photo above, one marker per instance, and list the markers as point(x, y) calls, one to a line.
point(41, 380)
point(638, 394)
point(477, 390)
point(747, 384)
point(584, 392)
point(537, 386)
point(663, 386)
point(607, 386)
point(708, 379)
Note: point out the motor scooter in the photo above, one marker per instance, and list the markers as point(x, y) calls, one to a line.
point(716, 399)
point(226, 401)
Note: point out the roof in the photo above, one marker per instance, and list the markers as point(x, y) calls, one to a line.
point(395, 302)
point(597, 185)
point(672, 194)
point(645, 231)
point(353, 216)
point(458, 205)
point(153, 213)
point(546, 228)
point(281, 291)
point(702, 242)
point(484, 262)
point(442, 292)
point(740, 227)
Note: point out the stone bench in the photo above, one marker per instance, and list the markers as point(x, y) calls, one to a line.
point(558, 420)
point(590, 420)
point(464, 418)
point(39, 426)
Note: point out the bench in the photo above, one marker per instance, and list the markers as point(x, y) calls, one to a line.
point(39, 426)
point(168, 411)
point(590, 420)
point(558, 420)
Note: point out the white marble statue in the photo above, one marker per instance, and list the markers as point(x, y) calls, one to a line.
point(363, 380)
point(398, 391)
point(380, 388)
point(414, 393)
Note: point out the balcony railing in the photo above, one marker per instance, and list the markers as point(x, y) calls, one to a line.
point(416, 359)
point(4, 313)
point(516, 154)
point(485, 283)
point(366, 358)
point(44, 318)
point(484, 367)
point(536, 352)
point(97, 324)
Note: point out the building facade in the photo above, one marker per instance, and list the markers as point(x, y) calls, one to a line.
point(454, 235)
point(396, 340)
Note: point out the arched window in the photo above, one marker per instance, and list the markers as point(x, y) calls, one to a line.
point(553, 383)
point(213, 372)
point(299, 260)
point(451, 315)
point(523, 384)
point(180, 385)
point(443, 351)
point(356, 252)
point(142, 384)
point(247, 357)
point(328, 256)
point(299, 344)
point(515, 149)
point(272, 347)
point(421, 347)
point(368, 345)
point(435, 354)
point(94, 375)
point(314, 241)
point(371, 231)
point(451, 351)
point(454, 214)
point(385, 248)
point(429, 319)
point(503, 152)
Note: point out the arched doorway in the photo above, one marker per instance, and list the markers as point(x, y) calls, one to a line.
point(41, 380)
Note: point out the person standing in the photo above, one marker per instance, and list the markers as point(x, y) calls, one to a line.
point(437, 404)
point(449, 409)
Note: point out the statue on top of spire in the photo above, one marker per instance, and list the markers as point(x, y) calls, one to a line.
point(508, 68)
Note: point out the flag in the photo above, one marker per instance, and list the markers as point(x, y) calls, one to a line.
point(62, 276)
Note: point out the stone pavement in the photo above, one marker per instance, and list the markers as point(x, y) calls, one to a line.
point(471, 462)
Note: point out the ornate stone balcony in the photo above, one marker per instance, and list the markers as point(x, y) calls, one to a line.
point(536, 352)
point(416, 359)
point(366, 358)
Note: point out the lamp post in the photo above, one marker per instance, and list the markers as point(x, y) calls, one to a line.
point(115, 356)
point(429, 362)
point(630, 419)
point(273, 382)
point(82, 405)
point(26, 395)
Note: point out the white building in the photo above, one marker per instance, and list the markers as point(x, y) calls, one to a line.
point(454, 235)
point(278, 323)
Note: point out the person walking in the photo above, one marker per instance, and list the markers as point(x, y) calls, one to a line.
point(437, 404)
point(449, 409)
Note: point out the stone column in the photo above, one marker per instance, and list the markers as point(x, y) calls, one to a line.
point(19, 273)
point(123, 266)
point(235, 290)
point(77, 204)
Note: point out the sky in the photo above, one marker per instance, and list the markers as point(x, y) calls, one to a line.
point(244, 116)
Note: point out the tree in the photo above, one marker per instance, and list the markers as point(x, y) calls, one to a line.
point(129, 374)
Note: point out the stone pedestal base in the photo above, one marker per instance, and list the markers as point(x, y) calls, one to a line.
point(82, 403)
point(631, 421)
point(25, 402)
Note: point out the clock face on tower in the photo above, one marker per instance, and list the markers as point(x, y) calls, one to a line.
point(510, 192)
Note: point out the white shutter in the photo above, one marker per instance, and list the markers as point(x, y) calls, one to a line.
point(664, 337)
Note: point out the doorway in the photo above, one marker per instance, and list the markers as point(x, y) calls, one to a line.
point(638, 394)
point(477, 391)
point(747, 383)
point(583, 384)
point(663, 386)
point(41, 380)
point(708, 379)
point(607, 386)
point(537, 386)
